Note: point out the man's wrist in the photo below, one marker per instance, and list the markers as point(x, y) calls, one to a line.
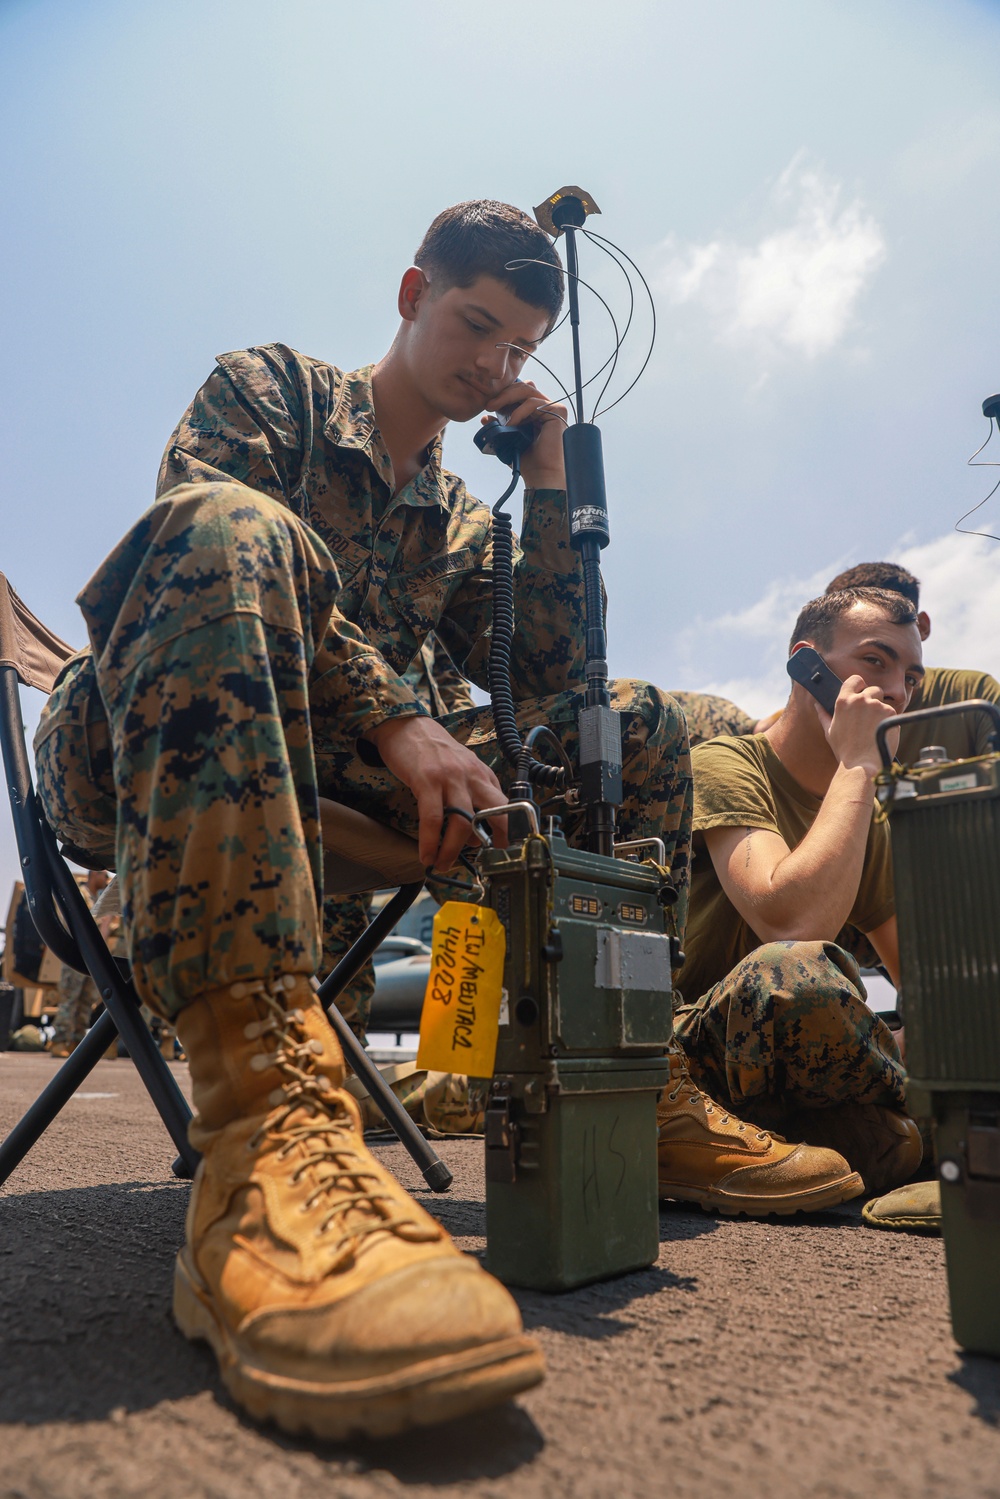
point(554, 481)
point(381, 731)
point(858, 774)
point(367, 744)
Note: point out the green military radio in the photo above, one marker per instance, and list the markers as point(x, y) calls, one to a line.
point(571, 1120)
point(946, 861)
point(586, 1018)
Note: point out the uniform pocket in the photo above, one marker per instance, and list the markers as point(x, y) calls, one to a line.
point(421, 594)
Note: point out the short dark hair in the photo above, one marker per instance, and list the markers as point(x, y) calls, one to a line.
point(482, 238)
point(818, 620)
point(888, 575)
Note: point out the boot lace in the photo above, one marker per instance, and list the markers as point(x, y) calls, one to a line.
point(682, 1082)
point(310, 1121)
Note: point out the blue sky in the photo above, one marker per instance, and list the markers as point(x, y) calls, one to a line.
point(810, 188)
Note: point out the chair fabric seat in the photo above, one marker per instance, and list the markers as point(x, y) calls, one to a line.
point(27, 645)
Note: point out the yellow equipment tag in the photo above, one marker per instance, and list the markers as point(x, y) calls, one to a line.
point(461, 1014)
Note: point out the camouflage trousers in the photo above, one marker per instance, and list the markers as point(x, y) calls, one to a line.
point(789, 1029)
point(78, 997)
point(197, 737)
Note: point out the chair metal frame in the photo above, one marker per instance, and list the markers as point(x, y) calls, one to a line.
point(64, 923)
point(66, 926)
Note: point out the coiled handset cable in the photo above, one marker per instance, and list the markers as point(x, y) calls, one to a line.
point(508, 443)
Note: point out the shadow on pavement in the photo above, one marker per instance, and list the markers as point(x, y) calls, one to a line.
point(85, 1328)
point(590, 1311)
point(85, 1285)
point(979, 1376)
point(682, 1220)
point(463, 1217)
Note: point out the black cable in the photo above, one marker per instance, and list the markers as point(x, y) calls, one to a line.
point(965, 530)
point(502, 645)
point(596, 240)
point(613, 356)
point(600, 240)
point(542, 731)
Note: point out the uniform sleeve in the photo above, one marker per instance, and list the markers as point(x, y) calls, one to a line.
point(352, 690)
point(245, 423)
point(730, 789)
point(452, 687)
point(876, 899)
point(549, 615)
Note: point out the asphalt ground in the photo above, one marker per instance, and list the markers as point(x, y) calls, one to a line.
point(810, 1356)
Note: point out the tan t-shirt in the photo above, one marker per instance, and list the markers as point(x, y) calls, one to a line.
point(741, 783)
point(961, 734)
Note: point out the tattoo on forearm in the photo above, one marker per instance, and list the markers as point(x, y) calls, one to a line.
point(750, 833)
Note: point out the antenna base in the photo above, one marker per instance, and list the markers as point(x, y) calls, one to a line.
point(567, 208)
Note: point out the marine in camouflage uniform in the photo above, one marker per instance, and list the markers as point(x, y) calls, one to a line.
point(254, 624)
point(780, 1031)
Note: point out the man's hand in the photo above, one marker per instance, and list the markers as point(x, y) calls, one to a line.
point(441, 773)
point(521, 401)
point(850, 733)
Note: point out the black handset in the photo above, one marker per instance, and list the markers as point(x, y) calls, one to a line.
point(503, 441)
point(808, 668)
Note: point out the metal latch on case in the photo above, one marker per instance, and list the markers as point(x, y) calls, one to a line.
point(501, 1134)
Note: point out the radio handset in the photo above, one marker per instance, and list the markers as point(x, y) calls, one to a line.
point(808, 668)
point(502, 441)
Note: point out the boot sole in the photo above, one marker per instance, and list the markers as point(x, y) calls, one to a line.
point(422, 1394)
point(811, 1200)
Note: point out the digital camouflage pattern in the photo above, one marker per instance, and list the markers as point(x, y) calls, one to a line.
point(437, 681)
point(418, 561)
point(438, 684)
point(216, 646)
point(788, 1028)
point(709, 716)
point(235, 694)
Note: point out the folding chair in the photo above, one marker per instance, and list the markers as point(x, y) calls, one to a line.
point(359, 855)
point(31, 654)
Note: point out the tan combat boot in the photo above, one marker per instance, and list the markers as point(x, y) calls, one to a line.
point(710, 1157)
point(334, 1303)
point(883, 1144)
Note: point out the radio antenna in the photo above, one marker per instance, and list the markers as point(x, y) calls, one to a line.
point(564, 213)
point(991, 410)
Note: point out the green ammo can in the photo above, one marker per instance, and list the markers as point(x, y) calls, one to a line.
point(946, 861)
point(571, 1188)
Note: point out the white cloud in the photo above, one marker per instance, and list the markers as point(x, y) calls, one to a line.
point(797, 288)
point(959, 588)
